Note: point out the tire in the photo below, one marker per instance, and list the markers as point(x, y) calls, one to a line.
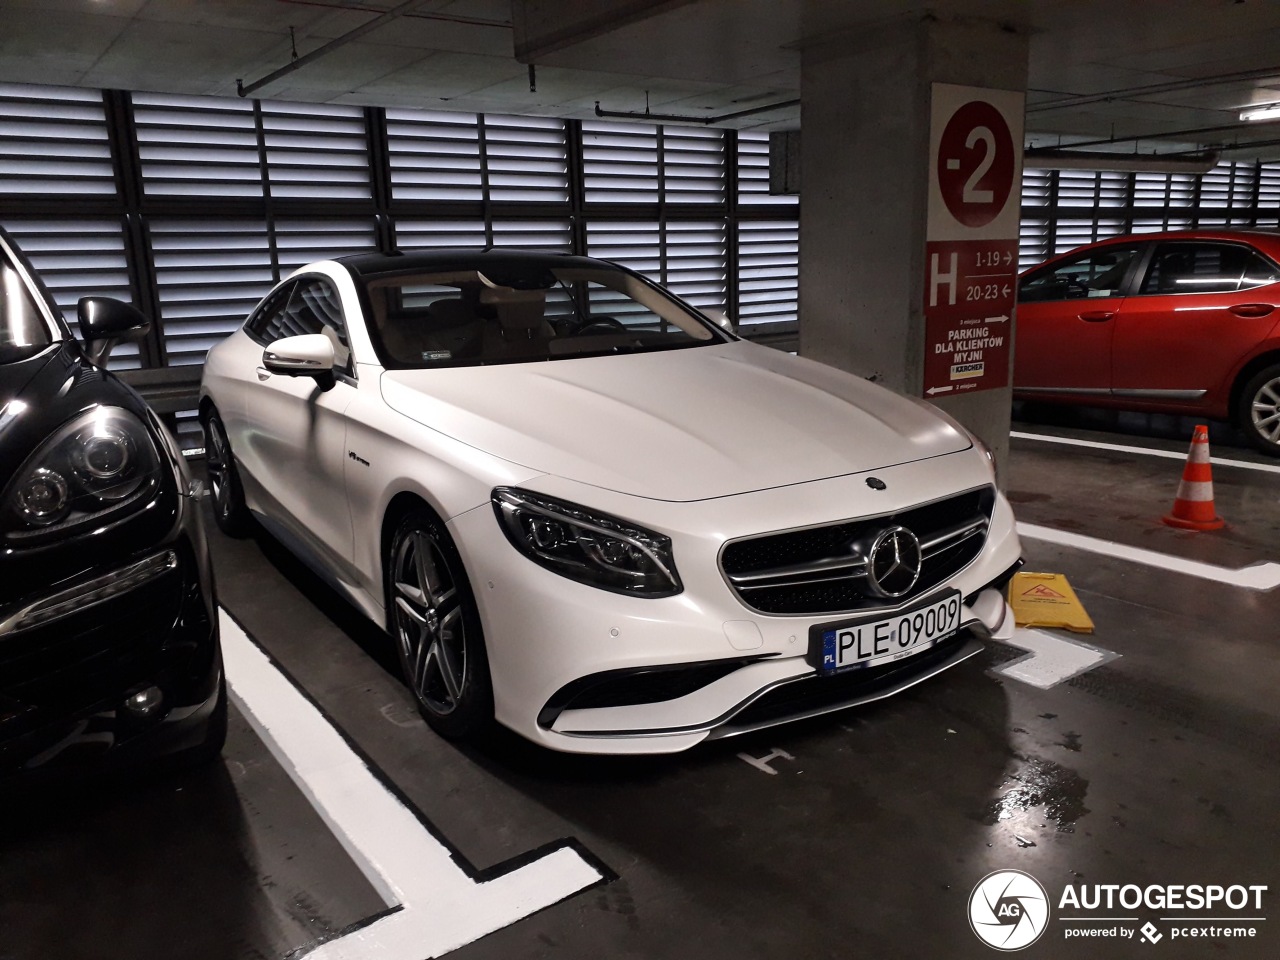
point(229, 509)
point(433, 619)
point(1259, 411)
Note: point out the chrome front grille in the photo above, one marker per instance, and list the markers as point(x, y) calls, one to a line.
point(819, 570)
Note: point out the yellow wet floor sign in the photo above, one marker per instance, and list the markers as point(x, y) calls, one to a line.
point(1047, 600)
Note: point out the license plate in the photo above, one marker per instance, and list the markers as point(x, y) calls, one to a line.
point(866, 643)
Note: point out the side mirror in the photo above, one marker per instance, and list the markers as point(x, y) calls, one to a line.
point(105, 321)
point(718, 317)
point(309, 355)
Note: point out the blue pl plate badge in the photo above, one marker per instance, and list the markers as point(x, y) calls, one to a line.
point(829, 650)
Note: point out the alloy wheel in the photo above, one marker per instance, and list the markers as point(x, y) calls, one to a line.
point(430, 627)
point(217, 458)
point(1265, 410)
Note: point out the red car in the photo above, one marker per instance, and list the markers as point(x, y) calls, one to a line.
point(1185, 322)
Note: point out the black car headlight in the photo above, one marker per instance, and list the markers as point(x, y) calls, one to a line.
point(590, 547)
point(91, 471)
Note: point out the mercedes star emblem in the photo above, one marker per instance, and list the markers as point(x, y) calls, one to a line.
point(893, 563)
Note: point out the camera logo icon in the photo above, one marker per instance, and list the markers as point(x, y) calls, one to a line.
point(1008, 910)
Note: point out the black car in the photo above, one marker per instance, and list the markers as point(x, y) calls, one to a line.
point(108, 625)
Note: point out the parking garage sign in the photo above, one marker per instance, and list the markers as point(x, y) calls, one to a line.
point(971, 252)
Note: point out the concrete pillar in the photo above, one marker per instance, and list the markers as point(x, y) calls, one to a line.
point(865, 117)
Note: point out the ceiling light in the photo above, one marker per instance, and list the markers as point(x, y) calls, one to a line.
point(1267, 111)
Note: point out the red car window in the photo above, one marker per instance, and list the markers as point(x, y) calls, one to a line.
point(1098, 273)
point(1196, 267)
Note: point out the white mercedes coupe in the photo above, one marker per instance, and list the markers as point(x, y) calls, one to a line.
point(583, 508)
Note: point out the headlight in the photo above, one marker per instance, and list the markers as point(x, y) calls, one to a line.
point(90, 471)
point(592, 548)
point(988, 453)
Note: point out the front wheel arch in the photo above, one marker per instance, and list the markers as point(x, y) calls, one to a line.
point(1262, 386)
point(422, 633)
point(1247, 373)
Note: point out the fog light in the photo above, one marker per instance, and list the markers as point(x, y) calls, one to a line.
point(145, 702)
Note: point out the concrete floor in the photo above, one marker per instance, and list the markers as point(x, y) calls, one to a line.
point(1158, 767)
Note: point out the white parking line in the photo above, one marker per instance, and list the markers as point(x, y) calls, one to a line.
point(1258, 576)
point(438, 906)
point(1145, 451)
point(1051, 659)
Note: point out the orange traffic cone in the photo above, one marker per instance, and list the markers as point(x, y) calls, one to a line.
point(1193, 507)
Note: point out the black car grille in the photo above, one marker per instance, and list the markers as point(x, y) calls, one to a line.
point(84, 659)
point(817, 571)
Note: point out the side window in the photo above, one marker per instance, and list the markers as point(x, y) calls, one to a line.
point(314, 307)
point(1258, 270)
point(1196, 268)
point(310, 305)
point(265, 321)
point(1098, 273)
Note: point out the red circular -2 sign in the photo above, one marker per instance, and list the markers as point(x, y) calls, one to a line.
point(976, 163)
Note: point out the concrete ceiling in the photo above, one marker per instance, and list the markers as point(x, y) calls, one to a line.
point(1098, 68)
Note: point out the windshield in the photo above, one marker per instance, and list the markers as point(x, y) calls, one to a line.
point(23, 330)
point(524, 313)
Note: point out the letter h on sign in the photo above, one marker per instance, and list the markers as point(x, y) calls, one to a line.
point(937, 279)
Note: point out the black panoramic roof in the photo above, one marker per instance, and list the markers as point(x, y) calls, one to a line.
point(376, 264)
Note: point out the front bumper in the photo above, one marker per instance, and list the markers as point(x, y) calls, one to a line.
point(678, 670)
point(69, 658)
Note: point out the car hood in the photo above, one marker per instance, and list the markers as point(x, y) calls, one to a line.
point(680, 425)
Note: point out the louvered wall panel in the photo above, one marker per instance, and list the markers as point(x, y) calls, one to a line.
point(1228, 185)
point(1074, 233)
point(637, 245)
point(1087, 188)
point(1269, 185)
point(1034, 242)
point(80, 258)
point(620, 162)
point(197, 146)
point(1163, 189)
point(316, 151)
point(429, 234)
point(546, 236)
point(528, 159)
point(693, 165)
point(210, 274)
point(53, 142)
point(768, 271)
point(434, 155)
point(1160, 224)
point(299, 242)
point(753, 172)
point(696, 265)
point(1036, 186)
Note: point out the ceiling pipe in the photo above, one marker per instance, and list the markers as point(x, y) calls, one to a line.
point(420, 15)
point(1161, 135)
point(1172, 86)
point(244, 89)
point(1065, 159)
point(677, 118)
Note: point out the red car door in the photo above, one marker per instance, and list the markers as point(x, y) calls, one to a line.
point(1065, 323)
point(1200, 307)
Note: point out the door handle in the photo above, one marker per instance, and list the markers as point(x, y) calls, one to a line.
point(264, 373)
point(1097, 316)
point(1251, 309)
